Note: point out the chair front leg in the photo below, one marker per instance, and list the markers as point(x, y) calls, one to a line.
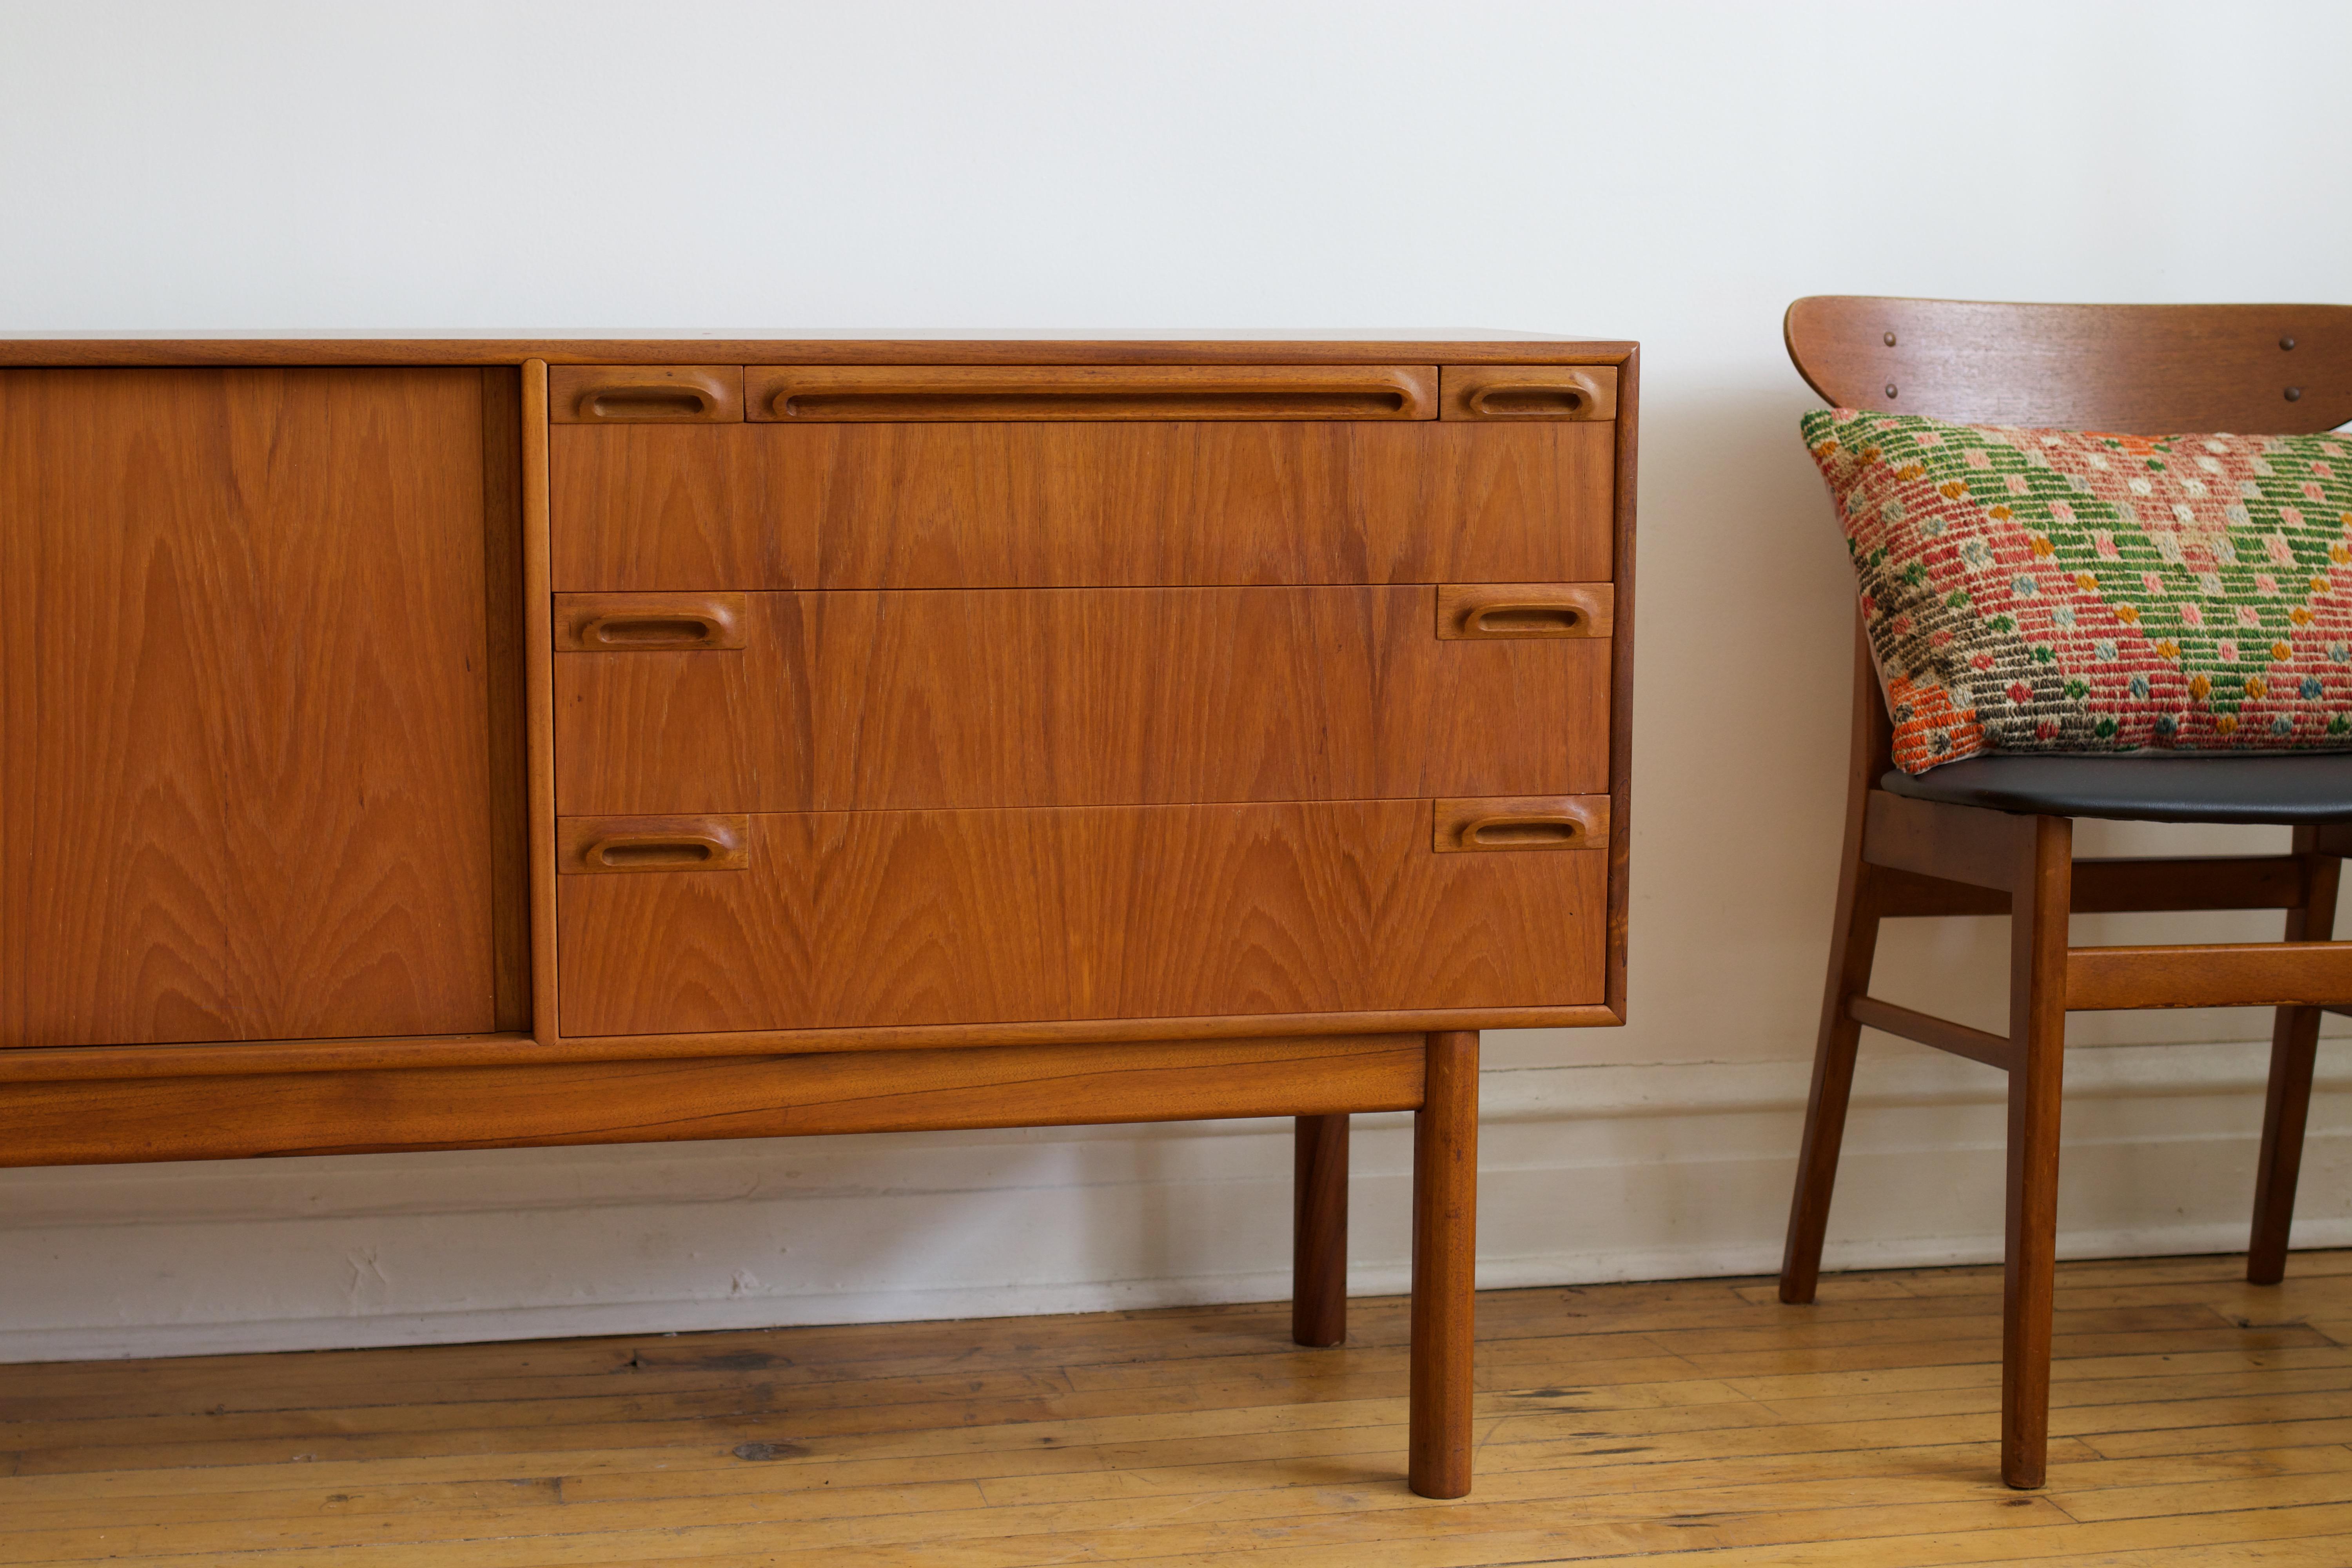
point(2295, 1048)
point(2037, 1014)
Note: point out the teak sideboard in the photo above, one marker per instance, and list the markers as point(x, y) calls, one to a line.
point(473, 743)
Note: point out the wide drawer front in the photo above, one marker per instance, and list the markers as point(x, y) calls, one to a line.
point(829, 701)
point(1086, 504)
point(838, 920)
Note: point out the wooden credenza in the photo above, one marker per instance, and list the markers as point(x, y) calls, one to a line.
point(475, 742)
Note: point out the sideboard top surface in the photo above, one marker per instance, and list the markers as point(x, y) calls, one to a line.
point(1456, 346)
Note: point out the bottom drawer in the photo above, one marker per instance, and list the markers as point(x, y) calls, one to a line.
point(833, 919)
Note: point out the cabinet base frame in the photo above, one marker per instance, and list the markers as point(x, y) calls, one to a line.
point(522, 1104)
point(1319, 1079)
point(87, 1121)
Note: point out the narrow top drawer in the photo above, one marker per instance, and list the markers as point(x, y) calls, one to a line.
point(1078, 503)
point(880, 393)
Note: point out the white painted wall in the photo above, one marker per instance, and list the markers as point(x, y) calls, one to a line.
point(1675, 173)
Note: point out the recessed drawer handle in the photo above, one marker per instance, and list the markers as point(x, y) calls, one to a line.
point(1470, 610)
point(880, 404)
point(651, 631)
point(1520, 620)
point(649, 403)
point(1522, 822)
point(629, 852)
point(654, 844)
point(1523, 833)
point(896, 393)
point(644, 394)
point(648, 622)
point(1529, 392)
point(1502, 401)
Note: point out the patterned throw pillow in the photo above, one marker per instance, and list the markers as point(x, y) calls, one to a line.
point(2071, 591)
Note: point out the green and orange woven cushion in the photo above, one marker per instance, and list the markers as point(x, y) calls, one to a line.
point(2072, 591)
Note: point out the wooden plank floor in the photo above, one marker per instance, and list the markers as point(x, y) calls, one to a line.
point(2197, 1420)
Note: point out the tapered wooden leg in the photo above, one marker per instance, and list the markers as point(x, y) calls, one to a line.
point(1853, 942)
point(2037, 1014)
point(1445, 1246)
point(2294, 1045)
point(1318, 1232)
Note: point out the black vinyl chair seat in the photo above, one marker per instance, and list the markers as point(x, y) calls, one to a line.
point(2302, 791)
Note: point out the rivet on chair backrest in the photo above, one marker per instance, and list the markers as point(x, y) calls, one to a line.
point(2294, 395)
point(1890, 340)
point(1890, 389)
point(2286, 342)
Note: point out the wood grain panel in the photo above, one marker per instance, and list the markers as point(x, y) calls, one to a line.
point(1076, 697)
point(727, 1096)
point(1081, 505)
point(1047, 505)
point(668, 507)
point(944, 917)
point(2148, 368)
point(243, 688)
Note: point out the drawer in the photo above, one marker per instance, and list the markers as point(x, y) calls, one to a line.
point(837, 920)
point(832, 701)
point(1079, 504)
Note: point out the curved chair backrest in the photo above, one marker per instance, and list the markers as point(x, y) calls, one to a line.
point(2151, 370)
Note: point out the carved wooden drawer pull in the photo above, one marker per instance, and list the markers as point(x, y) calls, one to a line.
point(1523, 822)
point(1530, 392)
point(647, 622)
point(882, 393)
point(655, 844)
point(1483, 610)
point(644, 394)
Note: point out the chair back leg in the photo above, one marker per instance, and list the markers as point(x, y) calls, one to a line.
point(2037, 1023)
point(1853, 944)
point(2294, 1046)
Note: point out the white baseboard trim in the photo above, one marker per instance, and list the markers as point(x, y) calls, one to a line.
point(1590, 1173)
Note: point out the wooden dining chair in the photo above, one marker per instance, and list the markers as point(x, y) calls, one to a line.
point(1993, 835)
